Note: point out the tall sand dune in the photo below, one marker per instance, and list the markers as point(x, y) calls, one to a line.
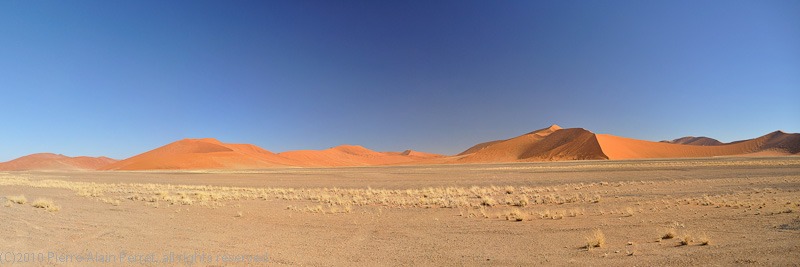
point(548, 144)
point(50, 161)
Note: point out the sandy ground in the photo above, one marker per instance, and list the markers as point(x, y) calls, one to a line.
point(478, 214)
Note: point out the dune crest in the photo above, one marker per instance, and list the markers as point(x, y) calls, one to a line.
point(697, 141)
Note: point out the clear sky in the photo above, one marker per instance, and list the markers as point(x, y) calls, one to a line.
point(118, 78)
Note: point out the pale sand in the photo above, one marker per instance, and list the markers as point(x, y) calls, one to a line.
point(747, 207)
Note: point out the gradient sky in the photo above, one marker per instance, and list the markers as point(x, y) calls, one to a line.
point(118, 78)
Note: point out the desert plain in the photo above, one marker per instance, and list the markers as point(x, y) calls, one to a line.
point(716, 211)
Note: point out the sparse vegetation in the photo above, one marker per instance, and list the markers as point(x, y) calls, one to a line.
point(18, 199)
point(704, 241)
point(46, 204)
point(686, 240)
point(597, 239)
point(670, 233)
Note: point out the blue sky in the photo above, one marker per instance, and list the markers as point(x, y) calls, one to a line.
point(118, 78)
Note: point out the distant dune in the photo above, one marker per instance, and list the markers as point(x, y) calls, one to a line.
point(775, 143)
point(549, 144)
point(212, 154)
point(205, 153)
point(554, 144)
point(696, 141)
point(347, 155)
point(49, 161)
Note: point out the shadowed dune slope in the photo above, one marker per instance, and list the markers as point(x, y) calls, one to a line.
point(49, 161)
point(696, 141)
point(552, 143)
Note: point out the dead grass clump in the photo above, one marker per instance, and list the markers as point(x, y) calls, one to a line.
point(488, 201)
point(522, 202)
point(509, 189)
point(317, 209)
point(596, 240)
point(45, 204)
point(686, 240)
point(18, 199)
point(670, 232)
point(516, 214)
point(346, 209)
point(704, 241)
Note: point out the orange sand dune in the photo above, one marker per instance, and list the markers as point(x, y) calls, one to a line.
point(205, 153)
point(548, 144)
point(554, 143)
point(696, 141)
point(625, 148)
point(49, 161)
point(212, 154)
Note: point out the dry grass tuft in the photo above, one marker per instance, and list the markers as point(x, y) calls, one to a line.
point(45, 204)
point(596, 240)
point(509, 189)
point(18, 199)
point(686, 240)
point(704, 241)
point(669, 234)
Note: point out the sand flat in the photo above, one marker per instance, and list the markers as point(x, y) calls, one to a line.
point(439, 214)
